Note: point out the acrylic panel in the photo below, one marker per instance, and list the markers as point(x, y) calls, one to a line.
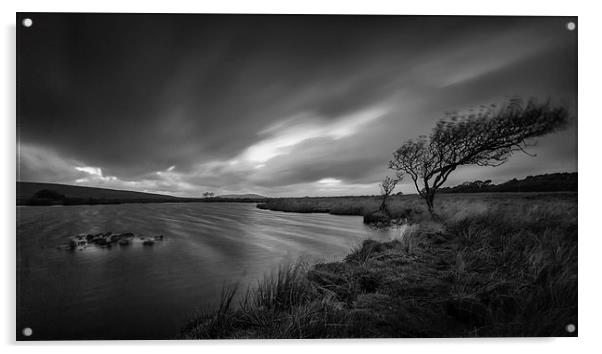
point(211, 176)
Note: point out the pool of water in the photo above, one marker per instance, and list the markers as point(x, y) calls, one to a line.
point(149, 292)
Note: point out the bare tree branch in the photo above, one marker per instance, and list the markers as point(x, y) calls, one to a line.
point(386, 187)
point(487, 137)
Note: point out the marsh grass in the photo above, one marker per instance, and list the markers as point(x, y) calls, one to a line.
point(411, 208)
point(490, 266)
point(283, 305)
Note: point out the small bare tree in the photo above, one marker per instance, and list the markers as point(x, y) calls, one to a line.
point(485, 138)
point(386, 188)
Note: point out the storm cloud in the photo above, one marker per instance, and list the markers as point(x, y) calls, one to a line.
point(279, 105)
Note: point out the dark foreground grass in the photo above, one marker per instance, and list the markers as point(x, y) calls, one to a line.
point(492, 267)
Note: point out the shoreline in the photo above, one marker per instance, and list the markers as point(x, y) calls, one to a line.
point(143, 202)
point(399, 206)
point(480, 272)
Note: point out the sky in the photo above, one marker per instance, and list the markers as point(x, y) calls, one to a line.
point(273, 105)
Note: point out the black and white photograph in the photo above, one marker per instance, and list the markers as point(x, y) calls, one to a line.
point(295, 176)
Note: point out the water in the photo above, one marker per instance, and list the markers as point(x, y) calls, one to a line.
point(138, 292)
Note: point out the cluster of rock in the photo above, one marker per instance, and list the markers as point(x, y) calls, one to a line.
point(108, 239)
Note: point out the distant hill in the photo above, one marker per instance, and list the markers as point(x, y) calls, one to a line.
point(552, 182)
point(33, 193)
point(241, 196)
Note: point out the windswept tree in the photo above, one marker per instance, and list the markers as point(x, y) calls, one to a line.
point(386, 188)
point(208, 194)
point(487, 137)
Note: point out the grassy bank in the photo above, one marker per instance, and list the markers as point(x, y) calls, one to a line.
point(492, 266)
point(408, 206)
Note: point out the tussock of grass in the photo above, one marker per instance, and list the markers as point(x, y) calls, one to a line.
point(285, 305)
point(488, 267)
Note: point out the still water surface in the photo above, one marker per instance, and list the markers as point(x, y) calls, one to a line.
point(138, 292)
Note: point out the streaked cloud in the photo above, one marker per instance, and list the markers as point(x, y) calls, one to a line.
point(283, 136)
point(294, 106)
point(330, 181)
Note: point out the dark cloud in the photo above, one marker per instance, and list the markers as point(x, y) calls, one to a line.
point(134, 95)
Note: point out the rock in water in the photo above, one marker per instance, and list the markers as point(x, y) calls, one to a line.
point(106, 239)
point(101, 241)
point(377, 217)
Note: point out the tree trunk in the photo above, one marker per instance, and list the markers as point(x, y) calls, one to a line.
point(430, 199)
point(383, 205)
